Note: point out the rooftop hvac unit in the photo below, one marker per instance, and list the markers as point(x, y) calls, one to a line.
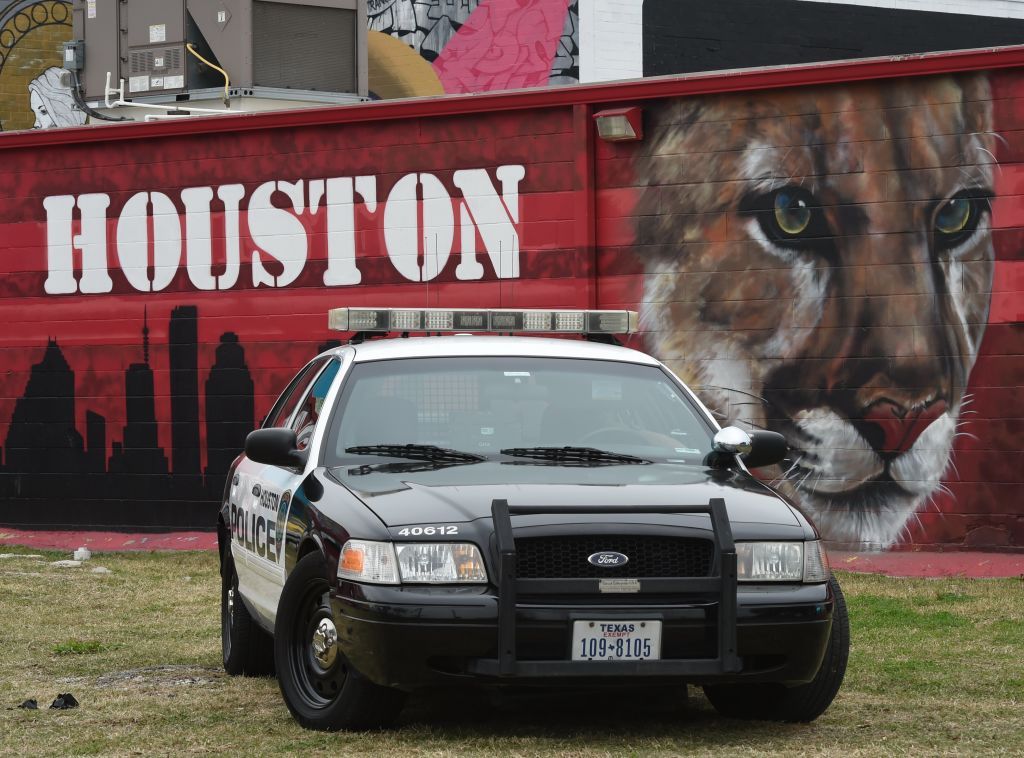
point(180, 47)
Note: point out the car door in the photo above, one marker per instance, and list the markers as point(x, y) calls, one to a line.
point(263, 492)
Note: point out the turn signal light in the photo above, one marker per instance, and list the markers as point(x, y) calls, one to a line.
point(366, 561)
point(353, 560)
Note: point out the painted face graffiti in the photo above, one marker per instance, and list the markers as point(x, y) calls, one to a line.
point(52, 102)
point(819, 263)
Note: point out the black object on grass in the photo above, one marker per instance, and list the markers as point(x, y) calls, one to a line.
point(64, 701)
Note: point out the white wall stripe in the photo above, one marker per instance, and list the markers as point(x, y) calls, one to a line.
point(995, 8)
point(611, 40)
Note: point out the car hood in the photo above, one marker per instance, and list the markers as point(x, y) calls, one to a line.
point(400, 495)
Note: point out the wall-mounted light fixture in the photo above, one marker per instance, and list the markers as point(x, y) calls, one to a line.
point(620, 124)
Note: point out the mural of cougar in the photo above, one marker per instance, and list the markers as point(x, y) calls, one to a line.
point(819, 262)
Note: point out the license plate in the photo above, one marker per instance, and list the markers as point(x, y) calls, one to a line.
point(616, 640)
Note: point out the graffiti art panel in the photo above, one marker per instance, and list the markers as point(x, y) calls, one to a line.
point(829, 280)
point(35, 92)
point(840, 263)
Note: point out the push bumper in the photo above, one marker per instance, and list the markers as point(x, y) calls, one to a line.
point(411, 639)
point(521, 631)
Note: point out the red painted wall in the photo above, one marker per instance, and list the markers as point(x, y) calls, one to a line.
point(122, 405)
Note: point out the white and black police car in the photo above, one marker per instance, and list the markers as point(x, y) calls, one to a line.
point(515, 510)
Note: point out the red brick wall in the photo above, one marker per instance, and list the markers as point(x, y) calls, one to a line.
point(839, 262)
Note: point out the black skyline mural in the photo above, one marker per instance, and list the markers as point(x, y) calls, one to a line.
point(50, 476)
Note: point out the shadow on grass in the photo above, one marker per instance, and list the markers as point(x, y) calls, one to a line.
point(648, 712)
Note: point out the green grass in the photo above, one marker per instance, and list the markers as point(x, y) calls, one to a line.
point(78, 647)
point(937, 666)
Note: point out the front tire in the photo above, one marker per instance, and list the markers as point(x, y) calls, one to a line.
point(319, 687)
point(804, 703)
point(245, 648)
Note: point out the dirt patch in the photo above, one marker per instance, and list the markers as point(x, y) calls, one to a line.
point(159, 677)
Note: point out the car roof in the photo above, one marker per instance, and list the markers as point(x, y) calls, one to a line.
point(465, 345)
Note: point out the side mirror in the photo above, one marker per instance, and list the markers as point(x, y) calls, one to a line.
point(767, 449)
point(275, 447)
point(757, 449)
point(732, 440)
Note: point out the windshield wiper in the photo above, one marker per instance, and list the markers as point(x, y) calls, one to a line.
point(404, 467)
point(572, 454)
point(417, 453)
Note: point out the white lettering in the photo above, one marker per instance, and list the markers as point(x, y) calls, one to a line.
point(198, 245)
point(92, 241)
point(417, 227)
point(199, 233)
point(231, 195)
point(277, 232)
point(133, 240)
point(403, 229)
point(493, 217)
point(341, 226)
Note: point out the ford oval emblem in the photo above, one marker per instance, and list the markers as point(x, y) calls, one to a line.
point(608, 559)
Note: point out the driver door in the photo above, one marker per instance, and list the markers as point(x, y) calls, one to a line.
point(265, 491)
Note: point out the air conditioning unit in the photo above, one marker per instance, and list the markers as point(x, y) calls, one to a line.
point(173, 50)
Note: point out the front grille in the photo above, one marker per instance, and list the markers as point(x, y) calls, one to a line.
point(565, 557)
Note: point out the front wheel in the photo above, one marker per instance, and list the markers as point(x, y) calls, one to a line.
point(319, 687)
point(803, 703)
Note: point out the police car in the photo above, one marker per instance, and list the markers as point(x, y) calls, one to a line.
point(503, 509)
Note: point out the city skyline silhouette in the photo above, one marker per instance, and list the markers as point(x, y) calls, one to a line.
point(50, 474)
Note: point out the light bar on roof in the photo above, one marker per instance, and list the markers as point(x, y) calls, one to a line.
point(485, 320)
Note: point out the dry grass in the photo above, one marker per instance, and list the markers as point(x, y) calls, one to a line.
point(937, 667)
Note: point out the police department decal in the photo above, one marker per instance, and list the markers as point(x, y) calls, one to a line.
point(282, 517)
point(259, 527)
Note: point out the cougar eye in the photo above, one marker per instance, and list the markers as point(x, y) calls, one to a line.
point(957, 218)
point(789, 216)
point(954, 215)
point(792, 212)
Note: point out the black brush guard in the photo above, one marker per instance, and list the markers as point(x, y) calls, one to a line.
point(722, 585)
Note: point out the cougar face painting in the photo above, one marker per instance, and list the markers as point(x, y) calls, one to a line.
point(819, 262)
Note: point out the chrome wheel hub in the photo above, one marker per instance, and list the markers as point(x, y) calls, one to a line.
point(231, 603)
point(325, 643)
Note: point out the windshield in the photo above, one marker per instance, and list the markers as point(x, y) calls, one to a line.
point(506, 408)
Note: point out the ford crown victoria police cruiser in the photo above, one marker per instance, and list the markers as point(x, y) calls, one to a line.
point(515, 510)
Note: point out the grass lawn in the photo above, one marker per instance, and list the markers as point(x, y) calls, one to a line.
point(937, 666)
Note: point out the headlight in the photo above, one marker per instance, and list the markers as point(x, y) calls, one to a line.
point(415, 562)
point(781, 562)
point(366, 561)
point(440, 563)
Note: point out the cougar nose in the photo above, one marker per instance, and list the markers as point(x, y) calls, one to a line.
point(893, 428)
